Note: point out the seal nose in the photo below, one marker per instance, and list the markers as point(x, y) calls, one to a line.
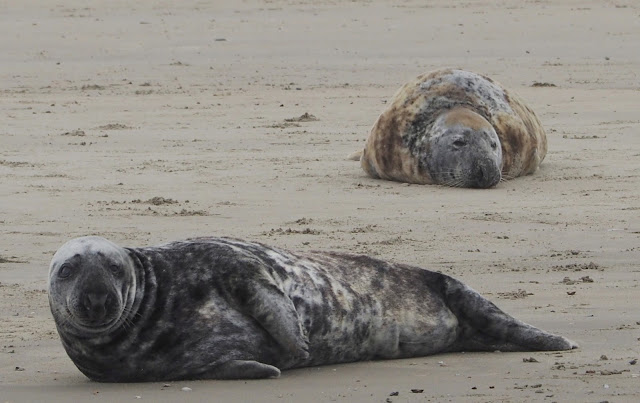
point(486, 174)
point(95, 305)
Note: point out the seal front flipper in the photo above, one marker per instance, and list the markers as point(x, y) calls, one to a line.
point(263, 300)
point(242, 369)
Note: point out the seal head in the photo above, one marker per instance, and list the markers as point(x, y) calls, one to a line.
point(91, 286)
point(463, 151)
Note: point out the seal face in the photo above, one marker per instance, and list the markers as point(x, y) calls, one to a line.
point(93, 301)
point(455, 128)
point(218, 308)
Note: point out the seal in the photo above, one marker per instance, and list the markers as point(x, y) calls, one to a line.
point(454, 128)
point(220, 308)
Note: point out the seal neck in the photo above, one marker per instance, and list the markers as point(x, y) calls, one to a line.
point(145, 295)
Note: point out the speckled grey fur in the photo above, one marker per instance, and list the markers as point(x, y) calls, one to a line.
point(219, 308)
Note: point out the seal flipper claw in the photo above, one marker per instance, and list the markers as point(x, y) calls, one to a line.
point(243, 369)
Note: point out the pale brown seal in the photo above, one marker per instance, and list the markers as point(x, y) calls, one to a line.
point(455, 128)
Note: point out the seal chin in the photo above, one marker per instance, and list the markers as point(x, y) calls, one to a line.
point(93, 325)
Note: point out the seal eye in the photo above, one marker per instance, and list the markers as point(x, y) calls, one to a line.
point(65, 271)
point(494, 145)
point(115, 269)
point(459, 143)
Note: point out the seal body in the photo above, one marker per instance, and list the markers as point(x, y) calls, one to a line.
point(456, 128)
point(218, 308)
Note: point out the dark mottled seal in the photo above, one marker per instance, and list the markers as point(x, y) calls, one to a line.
point(456, 128)
point(222, 308)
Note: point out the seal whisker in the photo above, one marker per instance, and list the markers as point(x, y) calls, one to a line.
point(127, 325)
point(63, 315)
point(457, 183)
point(128, 319)
point(506, 177)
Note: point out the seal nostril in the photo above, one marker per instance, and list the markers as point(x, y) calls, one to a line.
point(86, 303)
point(95, 306)
point(95, 301)
point(485, 175)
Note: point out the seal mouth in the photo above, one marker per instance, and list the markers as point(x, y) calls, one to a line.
point(482, 179)
point(87, 326)
point(484, 174)
point(485, 180)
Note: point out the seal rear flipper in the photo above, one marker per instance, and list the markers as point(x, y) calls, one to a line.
point(243, 369)
point(355, 156)
point(485, 327)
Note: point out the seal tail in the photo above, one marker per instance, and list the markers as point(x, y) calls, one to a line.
point(355, 156)
point(484, 327)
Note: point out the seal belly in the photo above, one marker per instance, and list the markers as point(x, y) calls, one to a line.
point(426, 333)
point(350, 316)
point(338, 321)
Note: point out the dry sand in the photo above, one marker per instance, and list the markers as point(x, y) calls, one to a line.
point(107, 106)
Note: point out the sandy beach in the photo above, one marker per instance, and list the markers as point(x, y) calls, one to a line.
point(154, 121)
